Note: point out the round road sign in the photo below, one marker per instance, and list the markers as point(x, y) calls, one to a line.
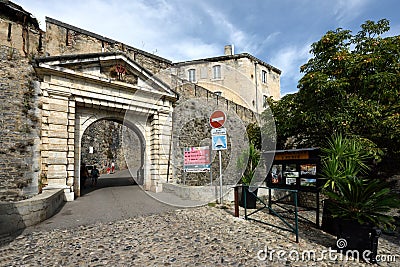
point(217, 119)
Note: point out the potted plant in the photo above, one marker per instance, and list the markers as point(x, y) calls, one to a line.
point(341, 158)
point(250, 159)
point(358, 204)
point(361, 207)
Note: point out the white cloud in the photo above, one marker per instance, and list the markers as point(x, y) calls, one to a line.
point(289, 59)
point(262, 45)
point(348, 10)
point(234, 35)
point(189, 49)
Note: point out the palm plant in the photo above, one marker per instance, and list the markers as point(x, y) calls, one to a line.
point(343, 157)
point(353, 196)
point(250, 160)
point(365, 201)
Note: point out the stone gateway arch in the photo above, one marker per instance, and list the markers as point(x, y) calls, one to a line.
point(77, 90)
point(60, 84)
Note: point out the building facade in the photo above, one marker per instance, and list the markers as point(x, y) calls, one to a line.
point(226, 75)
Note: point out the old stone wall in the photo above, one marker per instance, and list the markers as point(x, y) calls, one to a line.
point(65, 39)
point(20, 41)
point(191, 90)
point(18, 215)
point(307, 199)
point(106, 139)
point(20, 31)
point(19, 131)
point(191, 129)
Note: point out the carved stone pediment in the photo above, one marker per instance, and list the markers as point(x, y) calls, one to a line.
point(109, 67)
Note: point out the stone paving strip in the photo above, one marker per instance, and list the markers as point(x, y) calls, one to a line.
point(204, 236)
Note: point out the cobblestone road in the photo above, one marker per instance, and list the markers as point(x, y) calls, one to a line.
point(204, 236)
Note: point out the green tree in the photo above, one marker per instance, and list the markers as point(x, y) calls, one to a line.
point(287, 119)
point(351, 85)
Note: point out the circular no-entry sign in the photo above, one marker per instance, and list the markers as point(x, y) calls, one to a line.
point(217, 119)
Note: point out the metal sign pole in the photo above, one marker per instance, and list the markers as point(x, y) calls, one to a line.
point(211, 178)
point(218, 135)
point(220, 177)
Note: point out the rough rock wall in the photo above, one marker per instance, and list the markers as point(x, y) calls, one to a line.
point(65, 39)
point(191, 129)
point(19, 133)
point(19, 30)
point(20, 41)
point(106, 138)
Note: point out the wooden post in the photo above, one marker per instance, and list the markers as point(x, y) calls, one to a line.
point(236, 198)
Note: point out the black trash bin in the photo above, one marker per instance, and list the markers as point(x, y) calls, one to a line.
point(251, 197)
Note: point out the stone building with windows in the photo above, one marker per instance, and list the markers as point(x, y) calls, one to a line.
point(225, 76)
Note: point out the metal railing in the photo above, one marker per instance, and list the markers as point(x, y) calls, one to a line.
point(289, 227)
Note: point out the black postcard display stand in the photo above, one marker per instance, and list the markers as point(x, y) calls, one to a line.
point(297, 169)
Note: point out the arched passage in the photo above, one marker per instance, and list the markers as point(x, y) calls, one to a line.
point(77, 91)
point(104, 138)
point(108, 141)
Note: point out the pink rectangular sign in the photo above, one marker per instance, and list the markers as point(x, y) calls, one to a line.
point(197, 155)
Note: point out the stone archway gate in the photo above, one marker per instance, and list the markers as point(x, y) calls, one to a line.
point(77, 90)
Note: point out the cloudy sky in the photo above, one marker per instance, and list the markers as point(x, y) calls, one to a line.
point(278, 32)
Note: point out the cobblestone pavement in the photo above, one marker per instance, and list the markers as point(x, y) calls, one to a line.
point(204, 236)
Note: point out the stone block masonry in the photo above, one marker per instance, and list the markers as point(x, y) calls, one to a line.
point(19, 131)
point(20, 214)
point(57, 109)
point(80, 41)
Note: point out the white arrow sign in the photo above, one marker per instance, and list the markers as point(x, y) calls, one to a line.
point(217, 119)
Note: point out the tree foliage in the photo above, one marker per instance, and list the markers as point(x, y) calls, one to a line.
point(350, 85)
point(287, 119)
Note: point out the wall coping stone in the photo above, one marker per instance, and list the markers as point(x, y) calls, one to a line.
point(18, 215)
